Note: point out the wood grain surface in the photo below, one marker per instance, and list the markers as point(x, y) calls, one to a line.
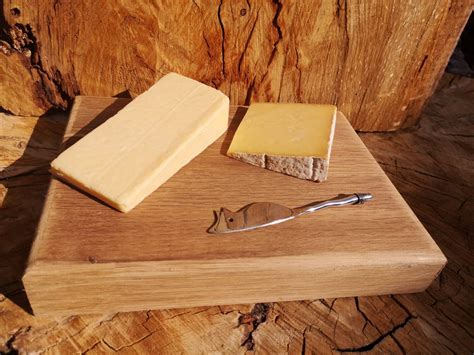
point(431, 165)
point(89, 258)
point(378, 61)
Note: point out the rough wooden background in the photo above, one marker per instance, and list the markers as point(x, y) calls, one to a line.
point(431, 164)
point(378, 60)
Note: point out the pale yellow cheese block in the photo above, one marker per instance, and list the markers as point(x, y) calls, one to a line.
point(130, 155)
point(293, 139)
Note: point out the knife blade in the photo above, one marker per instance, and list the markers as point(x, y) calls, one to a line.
point(262, 214)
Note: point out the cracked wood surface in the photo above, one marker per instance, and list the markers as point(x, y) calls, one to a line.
point(378, 61)
point(431, 165)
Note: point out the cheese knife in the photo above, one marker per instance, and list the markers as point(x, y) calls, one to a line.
point(262, 214)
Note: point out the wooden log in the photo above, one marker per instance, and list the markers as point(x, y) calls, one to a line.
point(378, 61)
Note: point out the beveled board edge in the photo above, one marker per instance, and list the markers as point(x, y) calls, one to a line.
point(160, 285)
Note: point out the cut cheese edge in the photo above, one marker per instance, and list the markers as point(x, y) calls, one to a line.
point(294, 139)
point(134, 152)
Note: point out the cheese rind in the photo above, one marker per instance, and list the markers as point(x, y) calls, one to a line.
point(134, 152)
point(294, 139)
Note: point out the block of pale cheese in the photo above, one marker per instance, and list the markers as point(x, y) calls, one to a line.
point(130, 155)
point(294, 139)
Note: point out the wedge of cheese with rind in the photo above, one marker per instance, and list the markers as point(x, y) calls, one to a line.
point(294, 139)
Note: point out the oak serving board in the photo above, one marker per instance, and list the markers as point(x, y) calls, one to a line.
point(89, 258)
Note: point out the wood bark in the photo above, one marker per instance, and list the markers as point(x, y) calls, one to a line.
point(430, 164)
point(378, 61)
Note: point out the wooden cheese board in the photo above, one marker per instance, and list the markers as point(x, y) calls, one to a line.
point(89, 258)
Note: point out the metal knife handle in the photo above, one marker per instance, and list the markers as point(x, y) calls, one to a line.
point(353, 199)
